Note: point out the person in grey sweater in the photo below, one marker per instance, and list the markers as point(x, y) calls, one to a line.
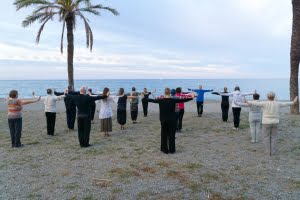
point(255, 116)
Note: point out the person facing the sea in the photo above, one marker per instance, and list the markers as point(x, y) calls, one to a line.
point(145, 95)
point(236, 109)
point(70, 106)
point(82, 102)
point(200, 99)
point(134, 105)
point(50, 109)
point(270, 119)
point(254, 117)
point(167, 106)
point(121, 108)
point(14, 116)
point(180, 109)
point(224, 104)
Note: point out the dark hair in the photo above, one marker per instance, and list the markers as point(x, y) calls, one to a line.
point(121, 91)
point(70, 88)
point(256, 96)
point(178, 90)
point(90, 89)
point(105, 91)
point(49, 91)
point(237, 88)
point(133, 88)
point(13, 94)
point(173, 92)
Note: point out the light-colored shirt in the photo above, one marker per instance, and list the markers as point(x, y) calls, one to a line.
point(106, 107)
point(255, 112)
point(14, 108)
point(50, 102)
point(237, 96)
point(270, 110)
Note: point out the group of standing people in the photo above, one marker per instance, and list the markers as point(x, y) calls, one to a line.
point(171, 107)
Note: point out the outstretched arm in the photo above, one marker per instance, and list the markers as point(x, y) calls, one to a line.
point(152, 100)
point(25, 102)
point(282, 104)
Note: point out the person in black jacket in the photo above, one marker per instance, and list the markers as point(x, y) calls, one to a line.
point(70, 106)
point(82, 102)
point(168, 119)
point(224, 104)
point(145, 95)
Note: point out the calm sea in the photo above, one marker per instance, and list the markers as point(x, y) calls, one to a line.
point(262, 86)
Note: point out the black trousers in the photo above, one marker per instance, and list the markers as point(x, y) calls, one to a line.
point(121, 116)
point(200, 108)
point(50, 118)
point(236, 116)
point(179, 117)
point(15, 129)
point(84, 129)
point(134, 115)
point(71, 117)
point(225, 109)
point(145, 108)
point(92, 110)
point(168, 129)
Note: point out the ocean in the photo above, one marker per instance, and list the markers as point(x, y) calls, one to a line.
point(262, 86)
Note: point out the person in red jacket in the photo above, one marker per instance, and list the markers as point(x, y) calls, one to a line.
point(180, 109)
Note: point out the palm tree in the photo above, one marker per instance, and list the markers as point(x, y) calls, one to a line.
point(295, 55)
point(67, 11)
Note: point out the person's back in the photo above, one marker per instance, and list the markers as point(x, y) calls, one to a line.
point(122, 102)
point(82, 103)
point(135, 94)
point(14, 108)
point(106, 108)
point(50, 102)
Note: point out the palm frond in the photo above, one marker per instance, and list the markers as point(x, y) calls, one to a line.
point(89, 10)
point(25, 3)
point(45, 8)
point(87, 2)
point(94, 9)
point(62, 37)
point(37, 40)
point(88, 32)
point(32, 18)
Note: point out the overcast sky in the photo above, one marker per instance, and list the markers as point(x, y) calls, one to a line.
point(156, 39)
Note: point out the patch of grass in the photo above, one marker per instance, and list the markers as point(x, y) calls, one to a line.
point(296, 149)
point(71, 186)
point(124, 157)
point(244, 126)
point(163, 164)
point(73, 198)
point(75, 158)
point(116, 190)
point(88, 197)
point(195, 187)
point(124, 173)
point(192, 166)
point(177, 175)
point(149, 170)
point(66, 173)
point(94, 152)
point(143, 195)
point(294, 184)
point(209, 176)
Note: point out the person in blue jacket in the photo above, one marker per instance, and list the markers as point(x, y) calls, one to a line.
point(200, 98)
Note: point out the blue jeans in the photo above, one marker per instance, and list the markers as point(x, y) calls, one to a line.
point(15, 128)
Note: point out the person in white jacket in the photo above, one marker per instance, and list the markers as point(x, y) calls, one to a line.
point(270, 119)
point(236, 109)
point(50, 109)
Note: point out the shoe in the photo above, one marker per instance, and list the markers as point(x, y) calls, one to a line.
point(85, 146)
point(19, 146)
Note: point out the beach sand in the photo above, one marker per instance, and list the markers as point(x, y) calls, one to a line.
point(212, 161)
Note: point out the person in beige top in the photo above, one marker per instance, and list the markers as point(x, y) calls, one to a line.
point(270, 119)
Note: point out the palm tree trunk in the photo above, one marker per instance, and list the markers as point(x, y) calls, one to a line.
point(295, 55)
point(70, 39)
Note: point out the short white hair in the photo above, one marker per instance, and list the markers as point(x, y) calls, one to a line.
point(271, 95)
point(83, 89)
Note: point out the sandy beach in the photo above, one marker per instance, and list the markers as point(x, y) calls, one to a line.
point(212, 161)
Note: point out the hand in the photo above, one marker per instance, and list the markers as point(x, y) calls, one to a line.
point(246, 101)
point(108, 93)
point(38, 99)
point(295, 100)
point(193, 95)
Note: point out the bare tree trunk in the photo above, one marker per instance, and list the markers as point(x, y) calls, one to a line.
point(295, 55)
point(70, 38)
